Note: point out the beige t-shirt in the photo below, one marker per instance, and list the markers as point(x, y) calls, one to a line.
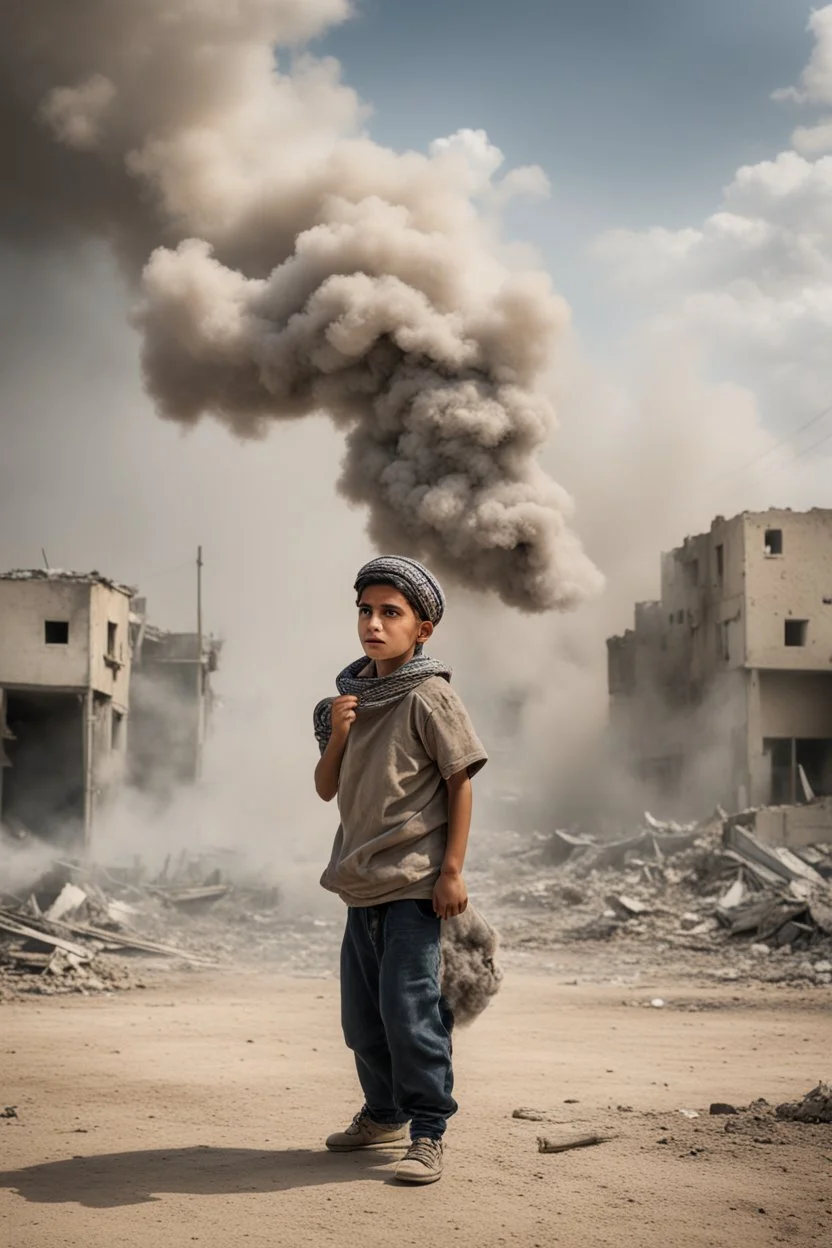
point(392, 795)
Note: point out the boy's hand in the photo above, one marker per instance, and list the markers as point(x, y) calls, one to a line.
point(343, 715)
point(450, 897)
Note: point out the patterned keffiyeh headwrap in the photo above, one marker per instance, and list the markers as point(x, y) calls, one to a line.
point(424, 593)
point(419, 586)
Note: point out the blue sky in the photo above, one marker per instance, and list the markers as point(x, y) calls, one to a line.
point(639, 112)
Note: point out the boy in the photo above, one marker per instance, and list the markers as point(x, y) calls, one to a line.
point(399, 751)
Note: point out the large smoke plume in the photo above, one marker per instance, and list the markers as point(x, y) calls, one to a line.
point(287, 264)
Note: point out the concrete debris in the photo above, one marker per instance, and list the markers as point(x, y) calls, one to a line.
point(722, 1107)
point(83, 928)
point(64, 936)
point(816, 1106)
point(192, 898)
point(702, 888)
point(69, 901)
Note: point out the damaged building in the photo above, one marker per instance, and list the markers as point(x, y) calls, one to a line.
point(92, 697)
point(722, 692)
point(65, 652)
point(171, 703)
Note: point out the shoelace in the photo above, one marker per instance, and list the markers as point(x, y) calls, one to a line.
point(425, 1150)
point(359, 1119)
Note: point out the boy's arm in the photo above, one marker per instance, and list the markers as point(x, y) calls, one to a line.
point(328, 769)
point(450, 897)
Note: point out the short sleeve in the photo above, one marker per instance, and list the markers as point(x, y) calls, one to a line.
point(448, 734)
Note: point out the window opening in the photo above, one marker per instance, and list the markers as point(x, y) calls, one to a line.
point(795, 632)
point(774, 541)
point(720, 564)
point(116, 725)
point(112, 630)
point(56, 632)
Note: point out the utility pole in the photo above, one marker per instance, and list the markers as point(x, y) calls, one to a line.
point(200, 677)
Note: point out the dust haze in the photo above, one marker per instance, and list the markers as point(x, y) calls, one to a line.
point(276, 263)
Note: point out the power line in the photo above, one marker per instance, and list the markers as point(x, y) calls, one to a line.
point(808, 449)
point(813, 420)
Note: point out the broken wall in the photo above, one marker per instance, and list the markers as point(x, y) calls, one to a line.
point(793, 826)
point(792, 582)
point(110, 644)
point(26, 656)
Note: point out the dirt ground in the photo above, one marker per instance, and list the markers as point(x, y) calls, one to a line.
point(193, 1112)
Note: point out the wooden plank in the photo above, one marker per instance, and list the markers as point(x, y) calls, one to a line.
point(545, 1145)
point(134, 942)
point(9, 924)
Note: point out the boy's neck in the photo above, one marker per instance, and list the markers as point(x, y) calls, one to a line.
point(386, 667)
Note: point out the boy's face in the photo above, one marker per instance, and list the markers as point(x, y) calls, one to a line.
point(388, 627)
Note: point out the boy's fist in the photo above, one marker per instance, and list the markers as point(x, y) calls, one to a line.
point(343, 715)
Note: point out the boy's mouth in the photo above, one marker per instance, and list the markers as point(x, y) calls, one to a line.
point(373, 641)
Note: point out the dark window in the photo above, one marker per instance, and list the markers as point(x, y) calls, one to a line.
point(720, 564)
point(56, 632)
point(671, 618)
point(111, 640)
point(774, 541)
point(115, 730)
point(692, 572)
point(795, 632)
point(680, 617)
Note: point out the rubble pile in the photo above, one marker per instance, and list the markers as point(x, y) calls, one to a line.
point(83, 929)
point(712, 888)
point(700, 887)
point(87, 929)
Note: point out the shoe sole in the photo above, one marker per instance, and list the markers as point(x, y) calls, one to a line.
point(363, 1148)
point(421, 1180)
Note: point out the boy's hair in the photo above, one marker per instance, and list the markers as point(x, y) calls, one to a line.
point(419, 586)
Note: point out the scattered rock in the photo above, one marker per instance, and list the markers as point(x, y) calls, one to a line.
point(816, 1106)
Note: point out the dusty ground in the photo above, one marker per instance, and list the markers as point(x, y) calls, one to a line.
point(193, 1112)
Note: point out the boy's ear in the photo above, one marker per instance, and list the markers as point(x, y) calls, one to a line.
point(425, 631)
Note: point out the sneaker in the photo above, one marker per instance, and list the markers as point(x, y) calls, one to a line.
point(422, 1163)
point(364, 1133)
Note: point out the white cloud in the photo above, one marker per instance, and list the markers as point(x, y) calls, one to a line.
point(815, 83)
point(478, 160)
point(751, 285)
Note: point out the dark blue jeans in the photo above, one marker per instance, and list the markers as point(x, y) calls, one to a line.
point(394, 1017)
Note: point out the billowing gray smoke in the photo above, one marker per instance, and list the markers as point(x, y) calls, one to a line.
point(287, 265)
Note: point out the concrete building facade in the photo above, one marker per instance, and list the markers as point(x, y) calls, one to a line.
point(722, 691)
point(65, 651)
